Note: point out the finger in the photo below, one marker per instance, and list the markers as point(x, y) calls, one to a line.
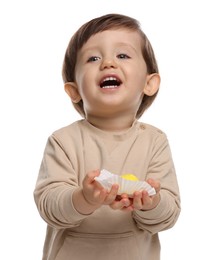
point(128, 209)
point(146, 200)
point(123, 203)
point(155, 184)
point(112, 194)
point(124, 195)
point(100, 195)
point(137, 202)
point(89, 178)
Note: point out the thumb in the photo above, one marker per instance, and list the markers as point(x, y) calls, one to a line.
point(155, 184)
point(89, 178)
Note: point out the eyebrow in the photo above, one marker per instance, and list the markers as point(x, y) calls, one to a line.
point(119, 44)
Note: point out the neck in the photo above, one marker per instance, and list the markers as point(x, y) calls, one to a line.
point(113, 124)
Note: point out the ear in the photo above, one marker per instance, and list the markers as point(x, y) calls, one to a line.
point(72, 90)
point(152, 84)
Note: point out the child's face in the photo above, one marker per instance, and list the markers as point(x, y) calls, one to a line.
point(110, 73)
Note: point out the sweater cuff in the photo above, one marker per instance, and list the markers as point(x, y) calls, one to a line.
point(71, 214)
point(155, 213)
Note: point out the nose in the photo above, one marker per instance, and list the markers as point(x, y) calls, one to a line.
point(108, 63)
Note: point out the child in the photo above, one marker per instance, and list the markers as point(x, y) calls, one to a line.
point(111, 76)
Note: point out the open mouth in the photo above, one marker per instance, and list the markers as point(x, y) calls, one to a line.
point(110, 82)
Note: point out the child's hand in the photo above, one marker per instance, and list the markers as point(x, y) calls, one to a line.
point(122, 202)
point(142, 200)
point(95, 194)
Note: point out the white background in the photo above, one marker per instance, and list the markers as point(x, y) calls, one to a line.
point(33, 39)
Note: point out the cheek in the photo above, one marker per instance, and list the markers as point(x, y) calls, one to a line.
point(86, 84)
point(84, 91)
point(141, 79)
point(81, 82)
point(138, 84)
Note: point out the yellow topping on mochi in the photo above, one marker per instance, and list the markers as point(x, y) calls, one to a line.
point(130, 177)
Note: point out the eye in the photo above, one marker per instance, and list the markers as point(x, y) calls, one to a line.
point(93, 58)
point(123, 56)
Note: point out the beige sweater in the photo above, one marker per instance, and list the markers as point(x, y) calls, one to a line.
point(73, 151)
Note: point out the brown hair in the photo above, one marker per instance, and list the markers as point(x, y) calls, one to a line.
point(99, 24)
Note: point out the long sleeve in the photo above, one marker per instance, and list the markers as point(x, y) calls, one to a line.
point(55, 185)
point(161, 167)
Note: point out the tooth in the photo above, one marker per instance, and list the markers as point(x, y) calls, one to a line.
point(110, 87)
point(109, 78)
